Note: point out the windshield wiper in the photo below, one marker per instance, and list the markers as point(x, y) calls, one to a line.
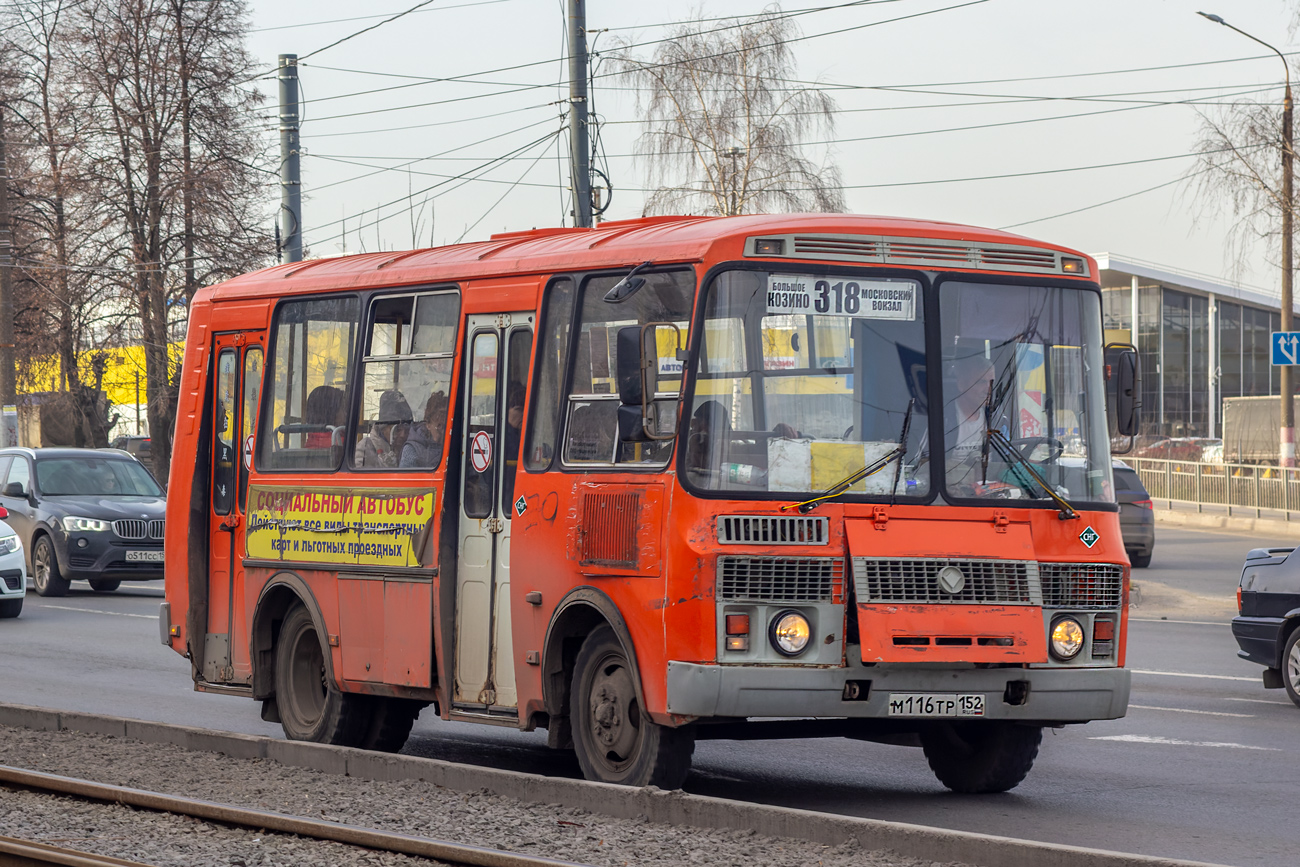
point(899, 452)
point(1012, 455)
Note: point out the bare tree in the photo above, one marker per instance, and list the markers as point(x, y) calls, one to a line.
point(174, 156)
point(724, 124)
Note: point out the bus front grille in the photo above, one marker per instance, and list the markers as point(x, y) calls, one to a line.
point(780, 579)
point(772, 530)
point(1082, 585)
point(1004, 582)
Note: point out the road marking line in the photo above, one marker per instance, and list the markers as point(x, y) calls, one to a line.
point(1186, 622)
point(1185, 710)
point(1144, 739)
point(100, 611)
point(1262, 701)
point(1205, 676)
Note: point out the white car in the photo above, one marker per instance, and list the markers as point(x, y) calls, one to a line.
point(13, 573)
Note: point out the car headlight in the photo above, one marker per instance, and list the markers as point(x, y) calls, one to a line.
point(1067, 638)
point(74, 524)
point(789, 633)
point(10, 544)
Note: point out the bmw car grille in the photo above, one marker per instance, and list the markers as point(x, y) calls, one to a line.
point(132, 528)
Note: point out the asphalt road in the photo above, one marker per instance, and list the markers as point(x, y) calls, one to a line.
point(1201, 768)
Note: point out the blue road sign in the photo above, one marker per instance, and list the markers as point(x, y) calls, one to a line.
point(1286, 347)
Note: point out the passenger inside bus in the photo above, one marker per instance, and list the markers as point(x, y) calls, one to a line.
point(326, 407)
point(423, 447)
point(382, 446)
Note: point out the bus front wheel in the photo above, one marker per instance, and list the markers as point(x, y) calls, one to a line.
point(311, 707)
point(615, 739)
point(979, 758)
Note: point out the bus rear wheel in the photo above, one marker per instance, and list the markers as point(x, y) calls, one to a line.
point(615, 740)
point(311, 707)
point(981, 758)
point(390, 723)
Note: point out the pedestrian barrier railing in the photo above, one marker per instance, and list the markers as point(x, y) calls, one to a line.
point(1239, 488)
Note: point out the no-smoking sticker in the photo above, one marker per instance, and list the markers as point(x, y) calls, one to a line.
point(480, 452)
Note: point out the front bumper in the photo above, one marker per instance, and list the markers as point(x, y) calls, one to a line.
point(13, 575)
point(1056, 695)
point(1260, 639)
point(104, 556)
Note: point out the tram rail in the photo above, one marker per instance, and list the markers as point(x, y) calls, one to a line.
point(27, 853)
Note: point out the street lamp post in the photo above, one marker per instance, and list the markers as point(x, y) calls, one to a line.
point(1286, 452)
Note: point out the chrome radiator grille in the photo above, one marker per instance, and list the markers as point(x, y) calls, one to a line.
point(1006, 582)
point(131, 528)
point(780, 579)
point(1082, 585)
point(772, 530)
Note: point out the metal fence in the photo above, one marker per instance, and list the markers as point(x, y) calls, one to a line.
point(1244, 487)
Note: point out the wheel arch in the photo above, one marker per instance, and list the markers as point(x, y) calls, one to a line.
point(579, 613)
point(279, 595)
point(1290, 623)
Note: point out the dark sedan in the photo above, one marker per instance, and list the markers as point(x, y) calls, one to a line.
point(1137, 518)
point(1268, 627)
point(83, 514)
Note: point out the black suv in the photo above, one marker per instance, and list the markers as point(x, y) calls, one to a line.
point(1268, 628)
point(83, 514)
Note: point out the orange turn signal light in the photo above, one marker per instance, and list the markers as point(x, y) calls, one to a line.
point(1103, 630)
point(737, 624)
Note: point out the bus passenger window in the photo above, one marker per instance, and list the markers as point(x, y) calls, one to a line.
point(543, 431)
point(311, 366)
point(591, 437)
point(252, 386)
point(520, 348)
point(406, 382)
point(223, 434)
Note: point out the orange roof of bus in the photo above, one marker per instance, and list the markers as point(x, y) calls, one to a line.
point(612, 244)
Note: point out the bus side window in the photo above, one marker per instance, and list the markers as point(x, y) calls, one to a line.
point(223, 434)
point(252, 390)
point(591, 436)
point(553, 333)
point(520, 351)
point(406, 381)
point(311, 368)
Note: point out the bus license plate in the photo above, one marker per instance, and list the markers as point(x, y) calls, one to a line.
point(144, 556)
point(935, 704)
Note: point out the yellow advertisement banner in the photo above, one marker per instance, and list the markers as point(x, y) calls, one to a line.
point(340, 527)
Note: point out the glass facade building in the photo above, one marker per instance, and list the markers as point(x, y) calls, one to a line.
point(1199, 341)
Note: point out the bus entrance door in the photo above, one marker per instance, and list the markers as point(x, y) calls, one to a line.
point(498, 353)
point(236, 384)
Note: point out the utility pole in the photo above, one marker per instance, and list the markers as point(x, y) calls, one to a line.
point(290, 176)
point(579, 148)
point(1286, 446)
point(7, 377)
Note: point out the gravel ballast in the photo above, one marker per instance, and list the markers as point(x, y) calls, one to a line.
point(409, 807)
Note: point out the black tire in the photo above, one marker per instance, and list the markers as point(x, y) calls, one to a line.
point(46, 577)
point(311, 707)
point(105, 585)
point(615, 741)
point(1291, 666)
point(1140, 561)
point(11, 607)
point(390, 723)
point(979, 758)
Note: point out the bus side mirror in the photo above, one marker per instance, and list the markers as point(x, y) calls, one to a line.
point(638, 381)
point(1125, 390)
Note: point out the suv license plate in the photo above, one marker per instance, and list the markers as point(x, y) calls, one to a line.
point(144, 556)
point(935, 704)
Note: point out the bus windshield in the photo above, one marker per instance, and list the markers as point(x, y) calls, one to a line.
point(1023, 373)
point(803, 379)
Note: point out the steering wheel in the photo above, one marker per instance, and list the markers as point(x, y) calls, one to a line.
point(1028, 445)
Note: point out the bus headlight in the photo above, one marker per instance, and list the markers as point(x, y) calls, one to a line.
point(1067, 638)
point(789, 633)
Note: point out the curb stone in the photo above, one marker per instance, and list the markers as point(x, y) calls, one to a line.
point(652, 804)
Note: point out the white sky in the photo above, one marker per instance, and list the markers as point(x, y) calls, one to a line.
point(950, 56)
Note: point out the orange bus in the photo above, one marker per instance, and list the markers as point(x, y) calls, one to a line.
point(662, 480)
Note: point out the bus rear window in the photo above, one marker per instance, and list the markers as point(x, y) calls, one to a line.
point(311, 367)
